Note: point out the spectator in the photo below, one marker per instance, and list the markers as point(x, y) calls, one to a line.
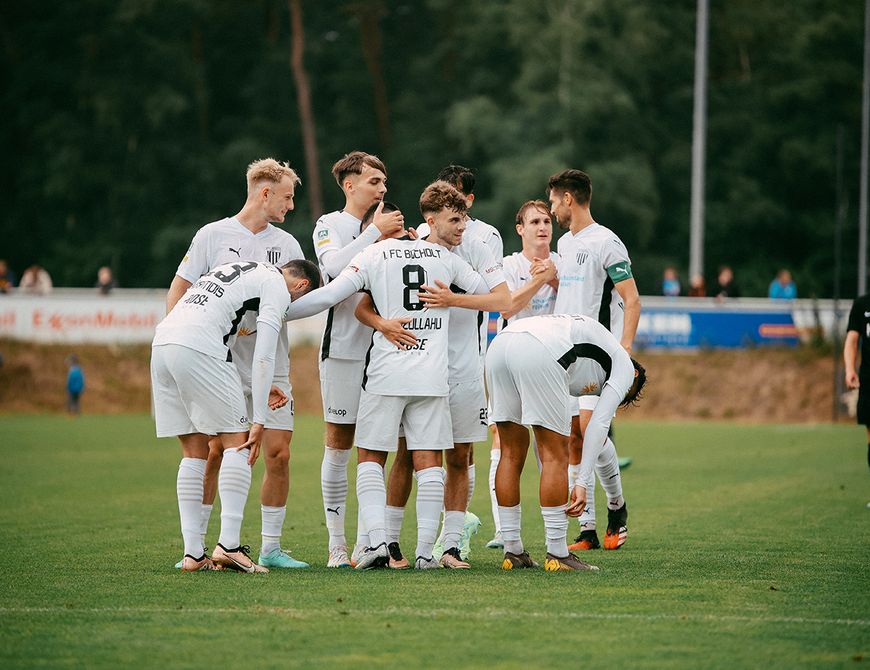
point(75, 385)
point(726, 286)
point(105, 281)
point(7, 277)
point(697, 287)
point(783, 287)
point(35, 280)
point(670, 282)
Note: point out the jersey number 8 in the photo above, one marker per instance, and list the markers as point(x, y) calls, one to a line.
point(413, 276)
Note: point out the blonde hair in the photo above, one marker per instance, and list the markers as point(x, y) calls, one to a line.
point(268, 169)
point(440, 195)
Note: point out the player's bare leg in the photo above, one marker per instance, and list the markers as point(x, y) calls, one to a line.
point(514, 440)
point(553, 451)
point(333, 481)
point(273, 498)
point(398, 492)
point(430, 501)
point(234, 483)
point(494, 456)
point(455, 501)
point(189, 489)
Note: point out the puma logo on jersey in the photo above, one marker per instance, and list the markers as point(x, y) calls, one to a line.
point(236, 251)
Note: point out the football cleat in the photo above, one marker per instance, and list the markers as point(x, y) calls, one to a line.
point(338, 558)
point(517, 561)
point(181, 562)
point(278, 558)
point(192, 564)
point(397, 560)
point(565, 563)
point(586, 540)
point(373, 557)
point(426, 563)
point(469, 530)
point(617, 530)
point(238, 559)
point(496, 542)
point(624, 463)
point(358, 549)
point(452, 559)
point(438, 547)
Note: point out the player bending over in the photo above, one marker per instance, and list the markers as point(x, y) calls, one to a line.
point(533, 368)
point(198, 392)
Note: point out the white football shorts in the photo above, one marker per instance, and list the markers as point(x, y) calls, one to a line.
point(468, 411)
point(195, 393)
point(281, 418)
point(425, 419)
point(526, 384)
point(340, 386)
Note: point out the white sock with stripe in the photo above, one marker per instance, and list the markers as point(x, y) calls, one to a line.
point(188, 489)
point(394, 517)
point(556, 529)
point(273, 523)
point(333, 484)
point(510, 519)
point(234, 482)
point(372, 495)
point(430, 501)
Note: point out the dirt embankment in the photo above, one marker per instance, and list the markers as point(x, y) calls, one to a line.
point(757, 385)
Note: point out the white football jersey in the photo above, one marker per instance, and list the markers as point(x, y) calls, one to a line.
point(209, 313)
point(344, 336)
point(592, 261)
point(517, 274)
point(465, 353)
point(393, 271)
point(228, 241)
point(589, 353)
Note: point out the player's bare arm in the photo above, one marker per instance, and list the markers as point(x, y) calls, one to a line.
point(627, 290)
point(542, 272)
point(392, 329)
point(850, 356)
point(176, 289)
point(440, 295)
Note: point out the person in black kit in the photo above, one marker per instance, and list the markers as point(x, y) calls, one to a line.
point(859, 330)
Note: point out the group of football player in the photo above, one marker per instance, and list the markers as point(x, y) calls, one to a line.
point(404, 369)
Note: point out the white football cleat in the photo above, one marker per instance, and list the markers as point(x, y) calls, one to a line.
point(373, 557)
point(338, 558)
point(426, 563)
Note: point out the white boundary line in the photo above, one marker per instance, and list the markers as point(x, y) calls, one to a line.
point(446, 613)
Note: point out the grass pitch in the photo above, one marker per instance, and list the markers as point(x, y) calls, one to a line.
point(749, 546)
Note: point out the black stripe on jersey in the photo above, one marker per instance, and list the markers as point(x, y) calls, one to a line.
point(606, 299)
point(371, 344)
point(252, 304)
point(327, 335)
point(587, 350)
point(479, 324)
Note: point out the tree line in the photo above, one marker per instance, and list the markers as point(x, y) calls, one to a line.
point(129, 124)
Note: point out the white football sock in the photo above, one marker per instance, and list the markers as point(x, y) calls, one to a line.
point(372, 495)
point(494, 458)
point(273, 523)
point(607, 469)
point(188, 488)
point(394, 518)
point(430, 500)
point(453, 524)
point(204, 519)
point(470, 486)
point(333, 484)
point(556, 528)
point(362, 536)
point(587, 516)
point(234, 482)
point(510, 518)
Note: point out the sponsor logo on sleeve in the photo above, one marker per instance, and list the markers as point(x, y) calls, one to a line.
point(322, 237)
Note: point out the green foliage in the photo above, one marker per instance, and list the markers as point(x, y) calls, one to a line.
point(125, 134)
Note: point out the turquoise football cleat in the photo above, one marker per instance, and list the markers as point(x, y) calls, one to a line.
point(469, 529)
point(278, 558)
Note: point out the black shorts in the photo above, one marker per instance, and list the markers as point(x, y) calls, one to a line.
point(864, 403)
